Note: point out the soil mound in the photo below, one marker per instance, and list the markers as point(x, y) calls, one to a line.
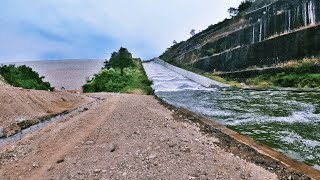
point(20, 106)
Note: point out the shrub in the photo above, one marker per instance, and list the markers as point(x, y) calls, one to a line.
point(133, 79)
point(23, 76)
point(296, 80)
point(107, 81)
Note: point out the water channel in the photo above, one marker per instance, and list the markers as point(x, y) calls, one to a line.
point(286, 121)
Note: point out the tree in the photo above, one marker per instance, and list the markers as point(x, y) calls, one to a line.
point(244, 5)
point(106, 64)
point(120, 60)
point(193, 32)
point(175, 42)
point(233, 12)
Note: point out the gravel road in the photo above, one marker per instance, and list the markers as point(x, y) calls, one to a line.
point(123, 137)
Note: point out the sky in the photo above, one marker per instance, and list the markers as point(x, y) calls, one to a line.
point(34, 30)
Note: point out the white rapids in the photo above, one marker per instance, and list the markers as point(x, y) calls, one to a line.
point(165, 79)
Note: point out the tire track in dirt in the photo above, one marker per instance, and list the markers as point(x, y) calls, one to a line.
point(77, 138)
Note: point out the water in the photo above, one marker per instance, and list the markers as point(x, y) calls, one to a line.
point(167, 80)
point(70, 74)
point(286, 121)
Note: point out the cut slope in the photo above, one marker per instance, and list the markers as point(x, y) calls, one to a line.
point(260, 3)
point(282, 31)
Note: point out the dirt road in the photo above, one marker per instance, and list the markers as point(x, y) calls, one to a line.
point(123, 137)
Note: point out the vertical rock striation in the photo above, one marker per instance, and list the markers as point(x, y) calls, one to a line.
point(278, 32)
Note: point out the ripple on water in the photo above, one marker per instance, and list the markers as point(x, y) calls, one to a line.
point(286, 121)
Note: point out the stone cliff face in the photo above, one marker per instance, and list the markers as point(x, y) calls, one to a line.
point(261, 3)
point(278, 32)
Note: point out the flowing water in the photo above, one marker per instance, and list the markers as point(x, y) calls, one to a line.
point(286, 121)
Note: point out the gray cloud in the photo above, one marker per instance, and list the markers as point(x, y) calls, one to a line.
point(78, 28)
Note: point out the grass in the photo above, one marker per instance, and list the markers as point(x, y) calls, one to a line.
point(261, 81)
point(23, 76)
point(301, 76)
point(133, 81)
point(289, 64)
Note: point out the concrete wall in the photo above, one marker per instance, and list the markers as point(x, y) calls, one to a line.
point(204, 81)
point(297, 45)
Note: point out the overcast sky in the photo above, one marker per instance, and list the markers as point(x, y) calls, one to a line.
point(80, 29)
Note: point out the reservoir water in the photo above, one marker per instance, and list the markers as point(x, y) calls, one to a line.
point(286, 121)
point(70, 74)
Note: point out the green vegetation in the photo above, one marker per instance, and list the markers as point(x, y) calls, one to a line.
point(121, 59)
point(244, 5)
point(120, 74)
point(23, 76)
point(303, 74)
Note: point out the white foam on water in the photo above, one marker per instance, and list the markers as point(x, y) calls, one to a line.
point(251, 118)
point(307, 146)
point(166, 80)
point(304, 114)
point(291, 137)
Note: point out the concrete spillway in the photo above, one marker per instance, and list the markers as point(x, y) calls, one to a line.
point(168, 77)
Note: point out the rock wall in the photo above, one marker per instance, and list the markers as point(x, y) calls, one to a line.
point(266, 53)
point(282, 31)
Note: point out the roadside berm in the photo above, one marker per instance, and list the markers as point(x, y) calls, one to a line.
point(127, 137)
point(20, 108)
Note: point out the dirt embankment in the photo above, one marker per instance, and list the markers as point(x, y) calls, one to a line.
point(123, 137)
point(20, 108)
point(2, 82)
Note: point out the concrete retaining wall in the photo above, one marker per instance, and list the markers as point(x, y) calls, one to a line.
point(204, 81)
point(296, 45)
